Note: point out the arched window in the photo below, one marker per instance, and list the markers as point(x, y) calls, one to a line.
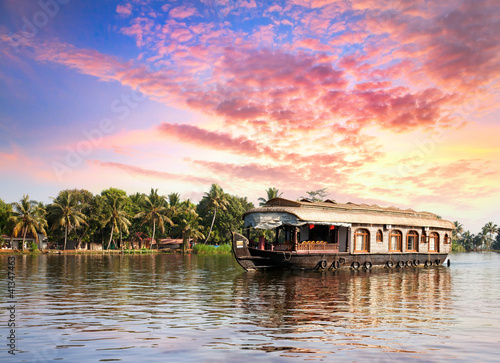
point(447, 239)
point(433, 242)
point(395, 238)
point(380, 236)
point(411, 241)
point(361, 240)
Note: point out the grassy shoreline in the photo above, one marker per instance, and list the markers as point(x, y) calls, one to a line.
point(200, 249)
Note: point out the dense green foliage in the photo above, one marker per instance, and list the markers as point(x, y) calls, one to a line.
point(114, 219)
point(5, 213)
point(487, 239)
point(28, 218)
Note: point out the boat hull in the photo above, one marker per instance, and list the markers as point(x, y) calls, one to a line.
point(256, 259)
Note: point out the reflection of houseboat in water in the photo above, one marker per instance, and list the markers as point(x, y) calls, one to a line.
point(303, 302)
point(330, 235)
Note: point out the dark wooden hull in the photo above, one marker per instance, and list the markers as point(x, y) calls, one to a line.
point(255, 259)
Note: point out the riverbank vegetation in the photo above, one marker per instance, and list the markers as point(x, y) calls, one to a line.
point(487, 239)
point(115, 220)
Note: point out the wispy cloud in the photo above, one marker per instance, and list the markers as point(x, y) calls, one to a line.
point(307, 91)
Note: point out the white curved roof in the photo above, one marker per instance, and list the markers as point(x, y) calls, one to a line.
point(335, 213)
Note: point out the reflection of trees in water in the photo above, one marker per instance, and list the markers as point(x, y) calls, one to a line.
point(287, 301)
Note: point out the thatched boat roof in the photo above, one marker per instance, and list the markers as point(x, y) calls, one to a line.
point(332, 212)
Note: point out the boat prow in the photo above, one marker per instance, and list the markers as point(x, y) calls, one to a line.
point(248, 260)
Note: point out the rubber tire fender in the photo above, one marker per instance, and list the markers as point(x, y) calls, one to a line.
point(335, 265)
point(367, 265)
point(355, 265)
point(389, 264)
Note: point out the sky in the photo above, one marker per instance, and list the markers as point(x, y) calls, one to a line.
point(385, 102)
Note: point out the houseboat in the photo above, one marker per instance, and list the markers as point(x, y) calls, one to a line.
point(329, 235)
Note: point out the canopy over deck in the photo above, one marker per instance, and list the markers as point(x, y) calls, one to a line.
point(269, 220)
point(279, 211)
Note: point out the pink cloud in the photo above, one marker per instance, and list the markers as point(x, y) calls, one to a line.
point(16, 163)
point(124, 10)
point(141, 29)
point(183, 11)
point(216, 140)
point(247, 4)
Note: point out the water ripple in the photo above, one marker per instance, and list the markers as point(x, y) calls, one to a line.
point(204, 308)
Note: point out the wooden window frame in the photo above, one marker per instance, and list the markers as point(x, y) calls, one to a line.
point(366, 239)
point(436, 241)
point(415, 241)
point(379, 233)
point(399, 234)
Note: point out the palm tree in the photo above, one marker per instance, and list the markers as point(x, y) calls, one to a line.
point(118, 216)
point(467, 240)
point(155, 212)
point(459, 228)
point(189, 224)
point(66, 213)
point(216, 199)
point(488, 230)
point(478, 240)
point(271, 193)
point(137, 200)
point(174, 199)
point(457, 233)
point(28, 217)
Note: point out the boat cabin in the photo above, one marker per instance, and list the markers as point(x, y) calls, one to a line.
point(311, 227)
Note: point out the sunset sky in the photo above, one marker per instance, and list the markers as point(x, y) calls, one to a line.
point(381, 102)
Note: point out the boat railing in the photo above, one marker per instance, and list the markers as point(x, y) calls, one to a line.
point(283, 247)
point(317, 246)
point(306, 246)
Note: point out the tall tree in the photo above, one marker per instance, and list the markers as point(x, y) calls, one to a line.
point(155, 211)
point(478, 240)
point(467, 240)
point(65, 213)
point(174, 200)
point(317, 195)
point(118, 217)
point(137, 229)
point(5, 213)
point(271, 193)
point(28, 217)
point(86, 205)
point(189, 224)
point(459, 228)
point(456, 234)
point(496, 244)
point(215, 200)
point(488, 231)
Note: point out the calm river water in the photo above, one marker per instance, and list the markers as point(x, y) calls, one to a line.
point(173, 308)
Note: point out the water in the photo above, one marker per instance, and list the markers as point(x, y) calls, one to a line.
point(173, 308)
